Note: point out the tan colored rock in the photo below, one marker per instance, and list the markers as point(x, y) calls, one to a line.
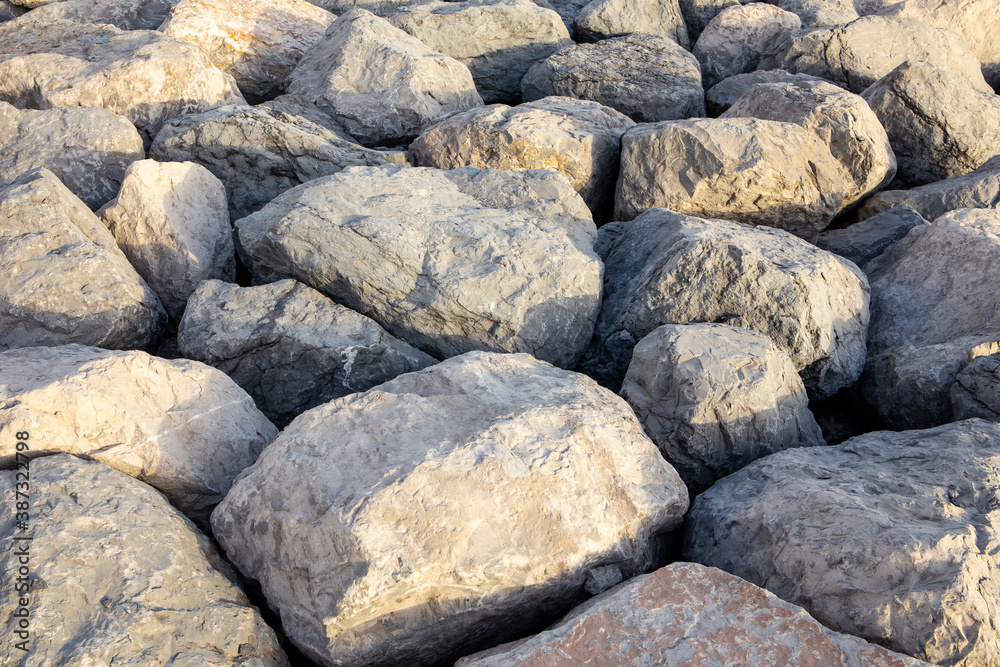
point(843, 120)
point(824, 13)
point(601, 19)
point(123, 14)
point(714, 398)
point(380, 83)
point(180, 426)
point(577, 138)
point(724, 94)
point(143, 75)
point(258, 42)
point(890, 536)
point(498, 40)
point(62, 277)
point(118, 576)
point(759, 172)
point(688, 614)
point(733, 41)
point(520, 487)
point(172, 222)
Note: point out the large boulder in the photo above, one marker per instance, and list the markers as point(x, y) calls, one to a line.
point(688, 614)
point(978, 21)
point(724, 94)
point(821, 13)
point(889, 536)
point(580, 139)
point(668, 268)
point(498, 40)
point(977, 189)
point(62, 277)
point(290, 347)
point(714, 398)
point(258, 42)
point(601, 19)
point(733, 41)
point(939, 126)
point(976, 392)
point(647, 77)
point(123, 14)
point(520, 487)
point(859, 53)
point(143, 75)
point(171, 221)
point(115, 575)
point(258, 152)
point(864, 241)
point(428, 255)
point(86, 147)
point(699, 13)
point(380, 83)
point(933, 306)
point(180, 426)
point(760, 172)
point(845, 122)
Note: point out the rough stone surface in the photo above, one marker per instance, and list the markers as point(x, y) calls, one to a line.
point(699, 13)
point(859, 53)
point(688, 614)
point(760, 172)
point(733, 41)
point(436, 265)
point(380, 83)
point(123, 14)
point(930, 289)
point(171, 221)
point(714, 398)
point(290, 347)
point(977, 189)
point(851, 130)
point(821, 13)
point(976, 20)
point(577, 138)
point(120, 577)
point(647, 77)
point(724, 94)
point(668, 268)
point(87, 148)
point(62, 278)
point(143, 75)
point(9, 11)
point(258, 152)
point(890, 537)
point(498, 40)
point(976, 392)
point(866, 240)
point(180, 426)
point(415, 509)
point(601, 19)
point(258, 42)
point(567, 9)
point(297, 105)
point(939, 126)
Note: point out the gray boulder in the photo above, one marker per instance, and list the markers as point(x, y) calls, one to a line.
point(888, 537)
point(257, 152)
point(409, 538)
point(724, 94)
point(380, 83)
point(821, 13)
point(10, 11)
point(848, 126)
point(119, 576)
point(434, 261)
point(668, 268)
point(143, 75)
point(699, 13)
point(714, 398)
point(601, 19)
point(864, 241)
point(123, 14)
point(647, 77)
point(976, 392)
point(859, 53)
point(938, 125)
point(62, 277)
point(498, 40)
point(977, 189)
point(733, 41)
point(567, 9)
point(577, 138)
point(297, 105)
point(86, 147)
point(290, 347)
point(759, 172)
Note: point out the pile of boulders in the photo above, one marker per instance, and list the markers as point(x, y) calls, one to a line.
point(500, 332)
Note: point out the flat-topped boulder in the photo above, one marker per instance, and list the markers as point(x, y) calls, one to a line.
point(433, 569)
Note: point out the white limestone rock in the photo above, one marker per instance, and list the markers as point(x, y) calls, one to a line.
point(123, 14)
